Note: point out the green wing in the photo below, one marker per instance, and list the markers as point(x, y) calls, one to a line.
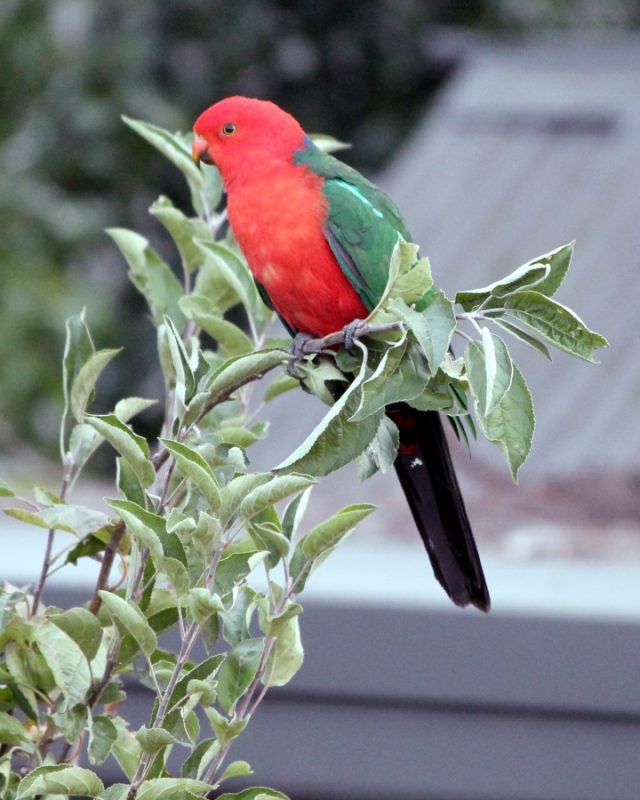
point(363, 224)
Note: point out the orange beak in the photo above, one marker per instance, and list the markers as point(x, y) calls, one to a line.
point(200, 150)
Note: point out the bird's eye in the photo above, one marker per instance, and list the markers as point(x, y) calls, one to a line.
point(228, 129)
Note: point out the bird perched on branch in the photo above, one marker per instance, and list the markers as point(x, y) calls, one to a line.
point(318, 238)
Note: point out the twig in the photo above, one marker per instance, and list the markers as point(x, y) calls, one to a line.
point(107, 562)
point(46, 561)
point(187, 645)
point(332, 339)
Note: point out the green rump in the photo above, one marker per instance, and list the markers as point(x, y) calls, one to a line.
point(363, 224)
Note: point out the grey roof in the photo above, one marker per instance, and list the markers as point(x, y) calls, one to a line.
point(528, 148)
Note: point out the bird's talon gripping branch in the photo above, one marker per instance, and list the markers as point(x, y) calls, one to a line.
point(298, 352)
point(352, 332)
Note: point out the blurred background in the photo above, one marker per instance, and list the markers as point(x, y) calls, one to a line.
point(502, 129)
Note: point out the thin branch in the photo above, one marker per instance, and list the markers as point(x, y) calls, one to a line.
point(312, 346)
point(187, 645)
point(46, 561)
point(107, 562)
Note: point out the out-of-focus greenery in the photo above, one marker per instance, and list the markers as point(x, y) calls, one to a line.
point(361, 71)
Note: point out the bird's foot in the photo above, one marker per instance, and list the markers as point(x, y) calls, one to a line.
point(297, 352)
point(352, 333)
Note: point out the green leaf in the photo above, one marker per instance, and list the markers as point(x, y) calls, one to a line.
point(432, 327)
point(401, 375)
point(294, 513)
point(60, 779)
point(239, 436)
point(34, 518)
point(336, 440)
point(228, 275)
point(78, 349)
point(5, 491)
point(236, 620)
point(82, 627)
point(102, 736)
point(133, 447)
point(235, 492)
point(267, 537)
point(22, 685)
point(12, 731)
point(236, 769)
point(229, 336)
point(71, 721)
point(237, 371)
point(511, 423)
point(238, 671)
point(200, 758)
point(154, 739)
point(381, 453)
point(277, 489)
point(146, 527)
point(319, 377)
point(522, 336)
point(217, 284)
point(206, 535)
point(489, 369)
point(255, 793)
point(130, 407)
point(523, 277)
point(409, 276)
point(183, 230)
point(194, 467)
point(286, 656)
point(129, 619)
point(225, 729)
point(63, 517)
point(177, 573)
point(150, 274)
point(126, 749)
point(177, 148)
point(83, 442)
point(203, 603)
point(83, 386)
point(65, 659)
point(283, 383)
point(183, 367)
point(559, 261)
point(556, 323)
point(117, 791)
point(204, 671)
point(321, 540)
point(128, 482)
point(171, 788)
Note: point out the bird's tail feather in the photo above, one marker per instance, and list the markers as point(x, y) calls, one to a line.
point(429, 482)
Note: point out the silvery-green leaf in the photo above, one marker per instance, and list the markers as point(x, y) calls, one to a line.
point(60, 779)
point(556, 323)
point(133, 447)
point(150, 274)
point(489, 369)
point(511, 422)
point(183, 230)
point(129, 619)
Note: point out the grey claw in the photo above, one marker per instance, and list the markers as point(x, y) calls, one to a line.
point(297, 352)
point(351, 333)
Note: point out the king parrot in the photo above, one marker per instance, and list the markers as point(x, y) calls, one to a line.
point(318, 238)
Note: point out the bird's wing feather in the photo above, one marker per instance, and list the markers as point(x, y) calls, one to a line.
point(363, 224)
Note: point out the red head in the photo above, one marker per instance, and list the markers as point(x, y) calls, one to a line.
point(241, 130)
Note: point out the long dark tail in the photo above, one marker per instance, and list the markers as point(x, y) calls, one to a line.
point(429, 482)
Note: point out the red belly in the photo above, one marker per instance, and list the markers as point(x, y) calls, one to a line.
point(286, 250)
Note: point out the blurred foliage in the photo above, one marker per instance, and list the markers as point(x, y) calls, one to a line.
point(71, 67)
